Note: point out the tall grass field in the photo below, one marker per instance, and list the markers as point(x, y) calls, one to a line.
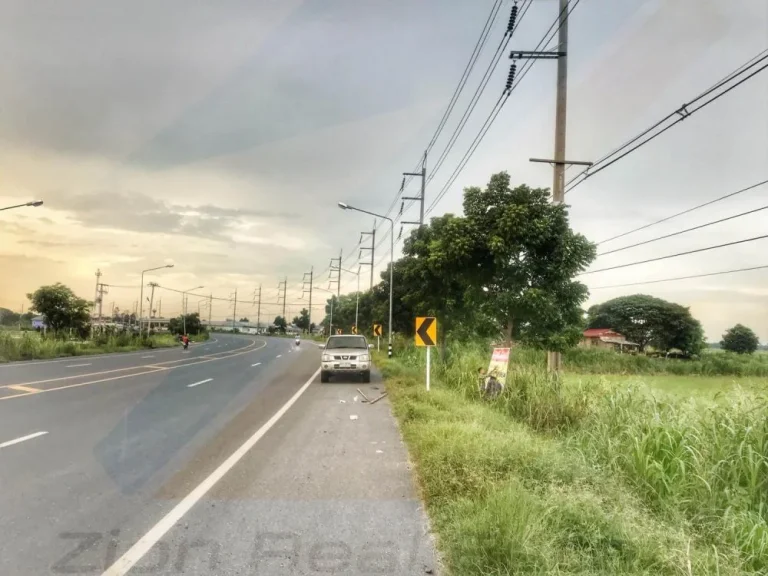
point(29, 345)
point(586, 474)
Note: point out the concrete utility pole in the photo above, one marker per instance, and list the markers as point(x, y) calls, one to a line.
point(152, 285)
point(420, 199)
point(101, 290)
point(335, 267)
point(210, 309)
point(95, 300)
point(559, 163)
point(234, 312)
point(284, 287)
point(311, 274)
point(258, 311)
point(372, 248)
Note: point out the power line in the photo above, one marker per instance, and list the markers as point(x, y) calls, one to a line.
point(681, 114)
point(548, 36)
point(688, 211)
point(511, 27)
point(478, 92)
point(682, 278)
point(675, 255)
point(479, 45)
point(700, 226)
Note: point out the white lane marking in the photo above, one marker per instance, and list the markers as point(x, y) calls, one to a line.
point(145, 544)
point(279, 355)
point(151, 356)
point(198, 383)
point(257, 364)
point(22, 439)
point(78, 365)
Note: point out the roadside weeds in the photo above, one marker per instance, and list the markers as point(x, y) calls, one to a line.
point(509, 494)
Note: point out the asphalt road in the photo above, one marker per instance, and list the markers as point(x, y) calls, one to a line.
point(227, 458)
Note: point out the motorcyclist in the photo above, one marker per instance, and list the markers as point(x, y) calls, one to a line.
point(185, 340)
point(298, 339)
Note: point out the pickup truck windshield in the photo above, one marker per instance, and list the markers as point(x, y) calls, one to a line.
point(346, 342)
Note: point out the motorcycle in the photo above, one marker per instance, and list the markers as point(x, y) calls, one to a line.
point(298, 341)
point(186, 345)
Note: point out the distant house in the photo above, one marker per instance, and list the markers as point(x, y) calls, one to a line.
point(38, 323)
point(607, 338)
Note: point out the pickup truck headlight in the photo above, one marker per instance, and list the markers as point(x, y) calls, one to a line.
point(363, 358)
point(327, 358)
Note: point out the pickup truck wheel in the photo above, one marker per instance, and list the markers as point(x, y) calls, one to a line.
point(324, 377)
point(367, 376)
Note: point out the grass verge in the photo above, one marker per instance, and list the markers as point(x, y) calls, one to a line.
point(583, 477)
point(33, 347)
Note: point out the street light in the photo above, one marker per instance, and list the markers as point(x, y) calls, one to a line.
point(345, 206)
point(332, 293)
point(357, 303)
point(184, 306)
point(33, 204)
point(141, 296)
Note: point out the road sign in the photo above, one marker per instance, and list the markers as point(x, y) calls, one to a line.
point(377, 331)
point(354, 329)
point(426, 331)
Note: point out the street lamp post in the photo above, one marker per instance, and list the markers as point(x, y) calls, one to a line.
point(184, 306)
point(141, 295)
point(332, 293)
point(345, 206)
point(357, 303)
point(33, 204)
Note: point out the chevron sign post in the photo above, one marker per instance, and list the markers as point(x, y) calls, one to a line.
point(426, 335)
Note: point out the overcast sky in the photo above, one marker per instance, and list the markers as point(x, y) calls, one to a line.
point(218, 136)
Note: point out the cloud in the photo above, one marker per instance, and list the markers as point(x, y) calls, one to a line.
point(141, 213)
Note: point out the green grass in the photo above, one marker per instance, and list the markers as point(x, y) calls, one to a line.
point(708, 388)
point(601, 361)
point(587, 474)
point(30, 346)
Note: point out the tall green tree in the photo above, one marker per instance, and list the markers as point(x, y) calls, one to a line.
point(191, 322)
point(740, 339)
point(515, 252)
point(302, 320)
point(280, 324)
point(649, 321)
point(60, 307)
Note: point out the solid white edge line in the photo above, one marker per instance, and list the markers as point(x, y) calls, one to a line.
point(257, 364)
point(198, 383)
point(78, 365)
point(22, 439)
point(146, 542)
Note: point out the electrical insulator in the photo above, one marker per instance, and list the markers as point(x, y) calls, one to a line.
point(402, 184)
point(511, 77)
point(512, 19)
point(402, 205)
point(401, 233)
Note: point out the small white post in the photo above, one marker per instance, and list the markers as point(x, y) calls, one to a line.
point(378, 343)
point(428, 349)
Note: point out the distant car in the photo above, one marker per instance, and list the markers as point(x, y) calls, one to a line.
point(346, 355)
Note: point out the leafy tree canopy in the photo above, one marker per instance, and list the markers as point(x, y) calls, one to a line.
point(191, 322)
point(60, 307)
point(740, 339)
point(302, 321)
point(649, 321)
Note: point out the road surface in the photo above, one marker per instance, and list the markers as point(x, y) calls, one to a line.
point(227, 458)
